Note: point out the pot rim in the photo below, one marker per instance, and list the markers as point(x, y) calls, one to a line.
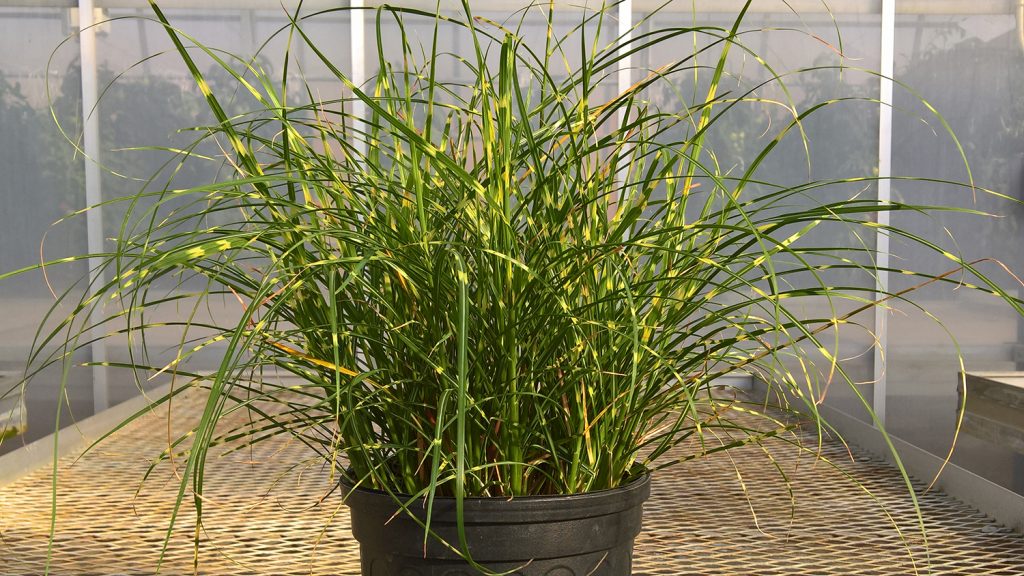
point(638, 483)
point(626, 499)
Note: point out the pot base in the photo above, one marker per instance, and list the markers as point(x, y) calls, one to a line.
point(618, 562)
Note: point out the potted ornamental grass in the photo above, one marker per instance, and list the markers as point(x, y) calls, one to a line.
point(506, 296)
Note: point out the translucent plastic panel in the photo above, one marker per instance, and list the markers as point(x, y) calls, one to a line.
point(970, 69)
point(803, 55)
point(576, 24)
point(41, 182)
point(148, 113)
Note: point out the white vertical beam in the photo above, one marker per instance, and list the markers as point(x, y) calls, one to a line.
point(884, 195)
point(357, 37)
point(93, 196)
point(625, 35)
point(357, 55)
point(625, 76)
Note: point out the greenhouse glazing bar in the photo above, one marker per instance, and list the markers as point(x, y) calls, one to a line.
point(625, 16)
point(93, 193)
point(357, 37)
point(884, 195)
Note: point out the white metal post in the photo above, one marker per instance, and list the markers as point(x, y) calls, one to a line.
point(884, 195)
point(93, 196)
point(357, 37)
point(626, 63)
point(625, 78)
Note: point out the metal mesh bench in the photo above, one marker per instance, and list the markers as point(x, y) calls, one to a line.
point(730, 513)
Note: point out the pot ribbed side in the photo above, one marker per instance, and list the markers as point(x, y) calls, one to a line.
point(573, 535)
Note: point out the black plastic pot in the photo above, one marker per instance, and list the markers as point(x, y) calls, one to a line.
point(575, 535)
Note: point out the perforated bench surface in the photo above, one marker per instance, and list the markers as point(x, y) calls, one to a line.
point(727, 514)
